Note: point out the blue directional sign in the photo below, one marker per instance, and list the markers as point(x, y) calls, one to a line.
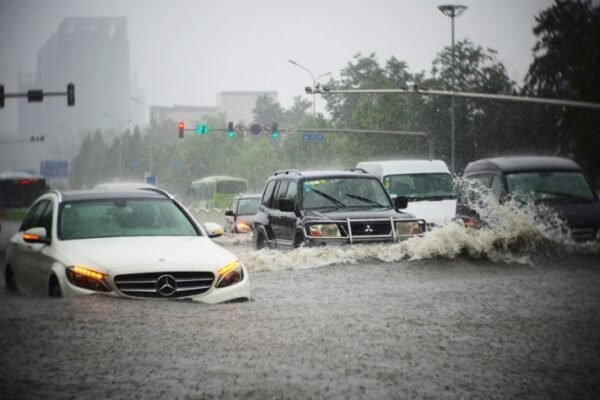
point(54, 168)
point(313, 137)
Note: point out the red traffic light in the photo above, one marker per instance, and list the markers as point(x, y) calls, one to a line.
point(181, 127)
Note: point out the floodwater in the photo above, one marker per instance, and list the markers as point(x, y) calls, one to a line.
point(510, 311)
point(515, 233)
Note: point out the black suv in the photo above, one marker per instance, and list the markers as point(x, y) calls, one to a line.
point(306, 208)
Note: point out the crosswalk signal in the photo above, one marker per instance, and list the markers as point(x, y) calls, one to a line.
point(230, 130)
point(181, 127)
point(275, 131)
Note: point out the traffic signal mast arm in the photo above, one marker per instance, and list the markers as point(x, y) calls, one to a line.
point(425, 92)
point(37, 95)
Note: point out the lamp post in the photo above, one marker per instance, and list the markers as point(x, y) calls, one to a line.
point(314, 82)
point(120, 125)
point(452, 11)
point(143, 103)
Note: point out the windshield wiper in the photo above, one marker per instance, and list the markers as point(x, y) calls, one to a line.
point(330, 198)
point(364, 199)
point(561, 194)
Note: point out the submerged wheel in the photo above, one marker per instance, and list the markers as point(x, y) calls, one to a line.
point(9, 280)
point(298, 241)
point(260, 242)
point(54, 288)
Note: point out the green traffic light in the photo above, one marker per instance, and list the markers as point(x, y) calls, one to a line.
point(231, 134)
point(201, 129)
point(275, 135)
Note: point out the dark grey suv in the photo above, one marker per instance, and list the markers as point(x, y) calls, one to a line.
point(307, 208)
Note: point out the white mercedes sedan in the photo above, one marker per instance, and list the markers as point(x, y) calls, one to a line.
point(136, 243)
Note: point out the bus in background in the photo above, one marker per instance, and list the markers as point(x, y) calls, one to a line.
point(216, 191)
point(427, 185)
point(20, 189)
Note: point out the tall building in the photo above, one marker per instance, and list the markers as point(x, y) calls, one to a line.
point(92, 53)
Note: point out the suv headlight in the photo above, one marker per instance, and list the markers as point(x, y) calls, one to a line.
point(230, 274)
point(324, 230)
point(87, 278)
point(407, 228)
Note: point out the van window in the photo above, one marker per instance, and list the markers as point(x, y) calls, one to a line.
point(547, 185)
point(420, 186)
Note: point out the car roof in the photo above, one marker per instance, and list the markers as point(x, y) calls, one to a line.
point(123, 185)
point(521, 164)
point(313, 174)
point(392, 167)
point(79, 195)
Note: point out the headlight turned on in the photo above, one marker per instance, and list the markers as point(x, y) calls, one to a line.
point(87, 278)
point(230, 274)
point(243, 227)
point(408, 228)
point(324, 230)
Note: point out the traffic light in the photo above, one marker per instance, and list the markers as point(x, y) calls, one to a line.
point(201, 129)
point(230, 130)
point(1, 96)
point(70, 95)
point(275, 131)
point(181, 127)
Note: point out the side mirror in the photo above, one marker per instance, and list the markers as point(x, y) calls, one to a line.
point(286, 205)
point(400, 202)
point(36, 235)
point(229, 213)
point(213, 230)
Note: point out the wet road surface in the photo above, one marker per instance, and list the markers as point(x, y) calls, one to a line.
point(437, 328)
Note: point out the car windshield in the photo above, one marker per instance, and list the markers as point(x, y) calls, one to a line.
point(552, 186)
point(248, 206)
point(122, 217)
point(436, 186)
point(351, 192)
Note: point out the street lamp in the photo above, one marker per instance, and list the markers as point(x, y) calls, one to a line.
point(314, 83)
point(120, 124)
point(452, 11)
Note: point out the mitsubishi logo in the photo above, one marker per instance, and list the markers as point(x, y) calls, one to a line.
point(166, 285)
point(368, 229)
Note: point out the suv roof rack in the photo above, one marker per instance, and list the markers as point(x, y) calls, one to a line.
point(287, 172)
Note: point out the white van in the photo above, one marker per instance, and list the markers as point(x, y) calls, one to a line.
point(427, 184)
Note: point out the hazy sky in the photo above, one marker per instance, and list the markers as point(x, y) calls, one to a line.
point(184, 51)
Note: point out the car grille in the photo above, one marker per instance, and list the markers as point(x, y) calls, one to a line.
point(371, 228)
point(164, 284)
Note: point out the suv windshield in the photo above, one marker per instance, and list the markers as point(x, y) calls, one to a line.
point(549, 185)
point(122, 217)
point(420, 186)
point(351, 192)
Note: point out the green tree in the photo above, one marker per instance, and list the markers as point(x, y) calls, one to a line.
point(482, 127)
point(566, 64)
